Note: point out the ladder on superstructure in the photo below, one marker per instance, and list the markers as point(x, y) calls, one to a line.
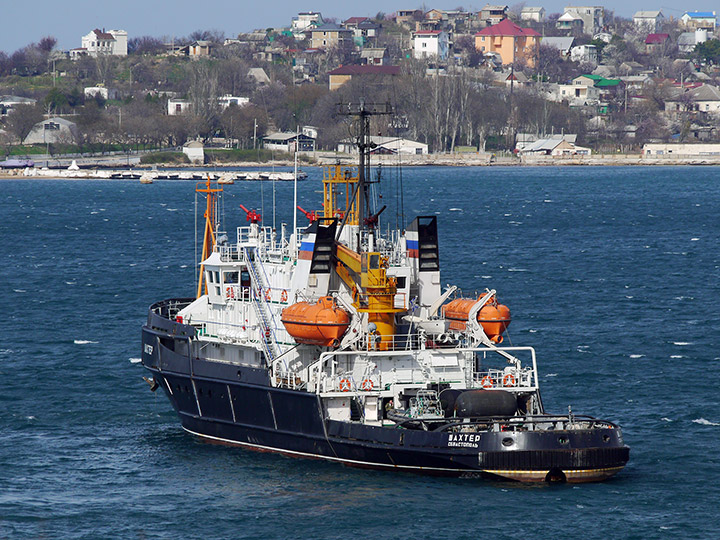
point(262, 309)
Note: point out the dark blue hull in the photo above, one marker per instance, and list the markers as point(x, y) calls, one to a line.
point(237, 405)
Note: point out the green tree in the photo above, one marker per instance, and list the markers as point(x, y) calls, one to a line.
point(708, 51)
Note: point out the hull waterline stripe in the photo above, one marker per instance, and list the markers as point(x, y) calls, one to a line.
point(318, 456)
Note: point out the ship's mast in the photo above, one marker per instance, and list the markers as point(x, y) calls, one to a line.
point(363, 111)
point(209, 236)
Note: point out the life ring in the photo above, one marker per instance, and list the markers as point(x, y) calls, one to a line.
point(487, 382)
point(283, 296)
point(267, 294)
point(366, 385)
point(345, 385)
point(509, 380)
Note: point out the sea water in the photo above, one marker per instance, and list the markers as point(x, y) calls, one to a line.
point(612, 274)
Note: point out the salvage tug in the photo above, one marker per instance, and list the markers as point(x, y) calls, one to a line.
point(338, 342)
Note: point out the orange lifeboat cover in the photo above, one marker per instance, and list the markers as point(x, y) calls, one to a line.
point(322, 323)
point(494, 317)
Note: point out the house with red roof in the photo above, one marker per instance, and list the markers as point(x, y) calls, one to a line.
point(656, 42)
point(513, 43)
point(431, 44)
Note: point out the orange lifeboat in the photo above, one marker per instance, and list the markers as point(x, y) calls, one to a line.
point(494, 317)
point(322, 323)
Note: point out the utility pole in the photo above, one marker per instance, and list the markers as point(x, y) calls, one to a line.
point(255, 134)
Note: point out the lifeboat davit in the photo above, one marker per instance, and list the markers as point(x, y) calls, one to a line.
point(493, 317)
point(322, 323)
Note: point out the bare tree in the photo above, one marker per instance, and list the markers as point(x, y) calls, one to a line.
point(22, 119)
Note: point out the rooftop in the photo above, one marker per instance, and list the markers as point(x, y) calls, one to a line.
point(507, 28)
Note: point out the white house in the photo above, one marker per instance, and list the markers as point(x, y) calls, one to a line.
point(536, 14)
point(195, 151)
point(584, 53)
point(680, 149)
point(431, 43)
point(386, 145)
point(177, 106)
point(305, 20)
point(227, 100)
point(648, 21)
point(556, 147)
point(286, 142)
point(52, 131)
point(7, 103)
point(570, 21)
point(102, 91)
point(100, 42)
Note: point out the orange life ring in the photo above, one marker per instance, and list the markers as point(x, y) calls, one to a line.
point(283, 296)
point(509, 378)
point(267, 294)
point(487, 382)
point(366, 385)
point(345, 385)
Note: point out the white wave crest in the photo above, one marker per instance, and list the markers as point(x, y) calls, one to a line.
point(135, 360)
point(682, 343)
point(666, 419)
point(704, 422)
point(551, 375)
point(636, 355)
point(677, 356)
point(83, 342)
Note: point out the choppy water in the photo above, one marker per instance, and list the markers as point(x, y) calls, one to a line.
point(611, 273)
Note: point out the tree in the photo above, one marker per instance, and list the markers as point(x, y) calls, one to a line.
point(708, 51)
point(145, 45)
point(22, 119)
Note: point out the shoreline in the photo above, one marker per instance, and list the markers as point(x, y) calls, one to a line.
point(426, 160)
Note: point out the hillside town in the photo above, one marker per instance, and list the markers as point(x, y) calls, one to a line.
point(513, 81)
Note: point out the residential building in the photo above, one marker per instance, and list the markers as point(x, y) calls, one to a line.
point(104, 92)
point(339, 76)
point(523, 140)
point(54, 130)
point(363, 29)
point(200, 49)
point(374, 56)
point(648, 21)
point(593, 17)
point(259, 76)
point(7, 103)
point(570, 22)
point(493, 14)
point(563, 44)
point(328, 35)
point(306, 20)
point(589, 89)
point(100, 42)
point(386, 145)
point(535, 14)
point(227, 100)
point(408, 17)
point(512, 43)
point(431, 44)
point(287, 141)
point(687, 40)
point(584, 53)
point(555, 146)
point(703, 99)
point(657, 43)
point(177, 106)
point(692, 20)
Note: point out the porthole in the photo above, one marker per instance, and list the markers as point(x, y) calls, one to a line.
point(606, 438)
point(508, 441)
point(562, 440)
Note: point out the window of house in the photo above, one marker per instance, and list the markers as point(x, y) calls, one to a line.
point(178, 107)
